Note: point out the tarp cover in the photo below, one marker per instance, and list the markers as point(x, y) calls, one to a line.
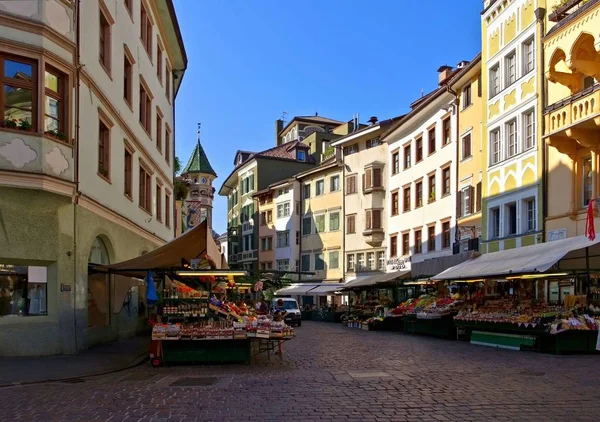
point(326, 288)
point(191, 245)
point(375, 279)
point(295, 289)
point(527, 260)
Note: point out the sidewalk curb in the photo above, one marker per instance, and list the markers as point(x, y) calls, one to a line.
point(141, 358)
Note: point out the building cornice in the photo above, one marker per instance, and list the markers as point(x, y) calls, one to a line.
point(19, 179)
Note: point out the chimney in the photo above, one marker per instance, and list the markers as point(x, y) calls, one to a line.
point(444, 73)
point(373, 120)
point(278, 129)
point(462, 64)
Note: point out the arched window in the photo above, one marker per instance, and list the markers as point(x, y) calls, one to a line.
point(98, 253)
point(98, 287)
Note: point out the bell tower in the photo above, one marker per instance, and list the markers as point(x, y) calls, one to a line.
point(199, 177)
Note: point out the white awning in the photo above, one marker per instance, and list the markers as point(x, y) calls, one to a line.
point(376, 279)
point(326, 288)
point(296, 290)
point(528, 260)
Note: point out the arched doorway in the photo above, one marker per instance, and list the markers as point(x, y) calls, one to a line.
point(98, 287)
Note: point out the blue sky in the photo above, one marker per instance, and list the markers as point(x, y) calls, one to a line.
point(251, 60)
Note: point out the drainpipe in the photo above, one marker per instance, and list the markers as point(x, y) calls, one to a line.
point(456, 181)
point(77, 192)
point(540, 13)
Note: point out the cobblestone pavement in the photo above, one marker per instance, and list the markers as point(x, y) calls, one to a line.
point(330, 373)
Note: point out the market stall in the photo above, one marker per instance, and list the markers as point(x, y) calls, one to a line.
point(197, 314)
point(537, 297)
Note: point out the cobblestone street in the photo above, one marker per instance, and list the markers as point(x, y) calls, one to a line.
point(331, 372)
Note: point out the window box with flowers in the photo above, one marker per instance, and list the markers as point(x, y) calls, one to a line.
point(18, 124)
point(56, 135)
point(103, 171)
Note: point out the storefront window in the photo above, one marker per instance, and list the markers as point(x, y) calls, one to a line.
point(23, 291)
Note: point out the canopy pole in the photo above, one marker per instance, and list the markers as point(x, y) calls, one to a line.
point(587, 269)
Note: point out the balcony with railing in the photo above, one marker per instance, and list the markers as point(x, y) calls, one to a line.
point(56, 14)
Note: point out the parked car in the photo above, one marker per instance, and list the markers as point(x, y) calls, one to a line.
point(294, 315)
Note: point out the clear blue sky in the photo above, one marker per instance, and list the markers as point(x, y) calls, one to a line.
point(251, 60)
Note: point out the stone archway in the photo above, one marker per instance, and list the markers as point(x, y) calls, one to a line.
point(98, 286)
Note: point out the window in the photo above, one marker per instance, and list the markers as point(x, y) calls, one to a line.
point(319, 187)
point(371, 261)
point(128, 186)
point(419, 194)
point(431, 140)
point(381, 260)
point(159, 129)
point(159, 61)
point(530, 215)
point(127, 80)
point(145, 189)
point(478, 198)
point(405, 244)
point(334, 221)
point(494, 80)
point(466, 146)
point(351, 224)
point(373, 219)
point(306, 226)
point(283, 239)
point(431, 191)
point(351, 149)
point(283, 210)
point(263, 218)
point(495, 147)
point(407, 157)
point(588, 82)
point(334, 260)
point(360, 258)
point(395, 163)
point(510, 211)
point(511, 138)
point(510, 63)
point(168, 210)
point(587, 180)
point(283, 265)
point(105, 41)
point(18, 94)
point(145, 109)
point(431, 239)
point(301, 155)
point(465, 202)
point(334, 183)
point(266, 243)
point(350, 262)
point(371, 143)
point(447, 131)
point(446, 181)
point(168, 76)
point(419, 153)
point(158, 202)
point(372, 178)
point(103, 150)
point(24, 290)
point(466, 97)
point(494, 222)
point(129, 6)
point(351, 184)
point(319, 261)
point(320, 223)
point(446, 234)
point(146, 30)
point(528, 56)
point(395, 208)
point(393, 246)
point(529, 130)
point(167, 144)
point(306, 191)
point(418, 242)
point(54, 110)
point(305, 263)
point(406, 204)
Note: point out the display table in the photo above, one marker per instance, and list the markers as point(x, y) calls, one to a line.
point(570, 341)
point(203, 351)
point(393, 323)
point(438, 327)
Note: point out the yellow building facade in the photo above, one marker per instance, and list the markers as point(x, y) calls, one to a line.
point(322, 222)
point(468, 87)
point(572, 117)
point(512, 194)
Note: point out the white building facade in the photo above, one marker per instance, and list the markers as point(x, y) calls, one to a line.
point(286, 218)
point(421, 169)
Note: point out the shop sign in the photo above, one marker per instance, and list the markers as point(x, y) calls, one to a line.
point(557, 234)
point(65, 287)
point(398, 264)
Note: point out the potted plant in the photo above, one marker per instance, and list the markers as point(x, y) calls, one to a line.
point(9, 123)
point(432, 197)
point(56, 134)
point(24, 125)
point(103, 171)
